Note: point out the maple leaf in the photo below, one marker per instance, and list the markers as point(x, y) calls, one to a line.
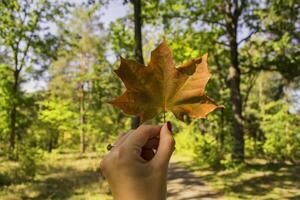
point(161, 86)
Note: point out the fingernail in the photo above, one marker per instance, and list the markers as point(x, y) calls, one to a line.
point(169, 125)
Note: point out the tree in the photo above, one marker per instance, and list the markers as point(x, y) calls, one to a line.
point(73, 72)
point(138, 49)
point(244, 37)
point(224, 20)
point(57, 117)
point(281, 38)
point(282, 132)
point(26, 43)
point(228, 16)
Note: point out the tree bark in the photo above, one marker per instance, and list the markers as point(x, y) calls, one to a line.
point(81, 105)
point(50, 142)
point(138, 50)
point(237, 121)
point(13, 112)
point(234, 84)
point(13, 127)
point(221, 136)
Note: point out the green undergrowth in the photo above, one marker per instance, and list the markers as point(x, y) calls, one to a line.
point(60, 176)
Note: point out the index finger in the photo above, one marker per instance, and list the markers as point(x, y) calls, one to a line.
point(142, 134)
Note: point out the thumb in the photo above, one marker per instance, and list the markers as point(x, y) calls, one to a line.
point(165, 147)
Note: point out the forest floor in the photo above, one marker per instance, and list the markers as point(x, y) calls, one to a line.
point(76, 177)
point(257, 180)
point(185, 185)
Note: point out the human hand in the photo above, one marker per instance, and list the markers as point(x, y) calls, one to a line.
point(133, 170)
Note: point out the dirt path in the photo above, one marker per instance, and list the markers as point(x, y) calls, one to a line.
point(184, 185)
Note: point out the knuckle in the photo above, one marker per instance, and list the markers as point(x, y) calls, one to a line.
point(143, 127)
point(120, 153)
point(171, 141)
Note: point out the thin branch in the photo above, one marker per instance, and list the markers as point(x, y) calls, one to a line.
point(214, 22)
point(247, 38)
point(29, 42)
point(222, 43)
point(243, 5)
point(25, 13)
point(195, 14)
point(25, 53)
point(15, 51)
point(260, 68)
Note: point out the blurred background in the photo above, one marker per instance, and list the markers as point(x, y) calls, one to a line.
point(56, 77)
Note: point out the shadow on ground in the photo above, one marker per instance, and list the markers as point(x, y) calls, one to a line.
point(184, 185)
point(259, 181)
point(281, 179)
point(62, 176)
point(63, 185)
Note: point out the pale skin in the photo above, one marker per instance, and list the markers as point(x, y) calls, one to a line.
point(136, 167)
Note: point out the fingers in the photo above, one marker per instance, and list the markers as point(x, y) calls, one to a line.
point(148, 150)
point(147, 154)
point(165, 147)
point(142, 134)
point(122, 138)
point(152, 143)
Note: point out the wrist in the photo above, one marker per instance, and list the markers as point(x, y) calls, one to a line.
point(133, 196)
point(140, 192)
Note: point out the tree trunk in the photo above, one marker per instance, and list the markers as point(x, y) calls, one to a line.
point(234, 84)
point(13, 116)
point(221, 136)
point(13, 112)
point(81, 105)
point(237, 121)
point(50, 142)
point(138, 50)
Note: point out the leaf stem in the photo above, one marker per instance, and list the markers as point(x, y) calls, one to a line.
point(164, 116)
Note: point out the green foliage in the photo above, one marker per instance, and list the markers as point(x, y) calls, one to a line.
point(58, 39)
point(25, 42)
point(282, 133)
point(186, 141)
point(122, 41)
point(29, 163)
point(48, 120)
point(25, 169)
point(6, 96)
point(22, 31)
point(207, 151)
point(202, 146)
point(4, 180)
point(228, 162)
point(56, 113)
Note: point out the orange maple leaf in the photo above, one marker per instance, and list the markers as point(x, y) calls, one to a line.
point(161, 87)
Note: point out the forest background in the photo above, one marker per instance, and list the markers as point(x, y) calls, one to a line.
point(56, 76)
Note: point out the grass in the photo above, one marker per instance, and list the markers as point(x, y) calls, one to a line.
point(257, 180)
point(76, 177)
point(61, 176)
